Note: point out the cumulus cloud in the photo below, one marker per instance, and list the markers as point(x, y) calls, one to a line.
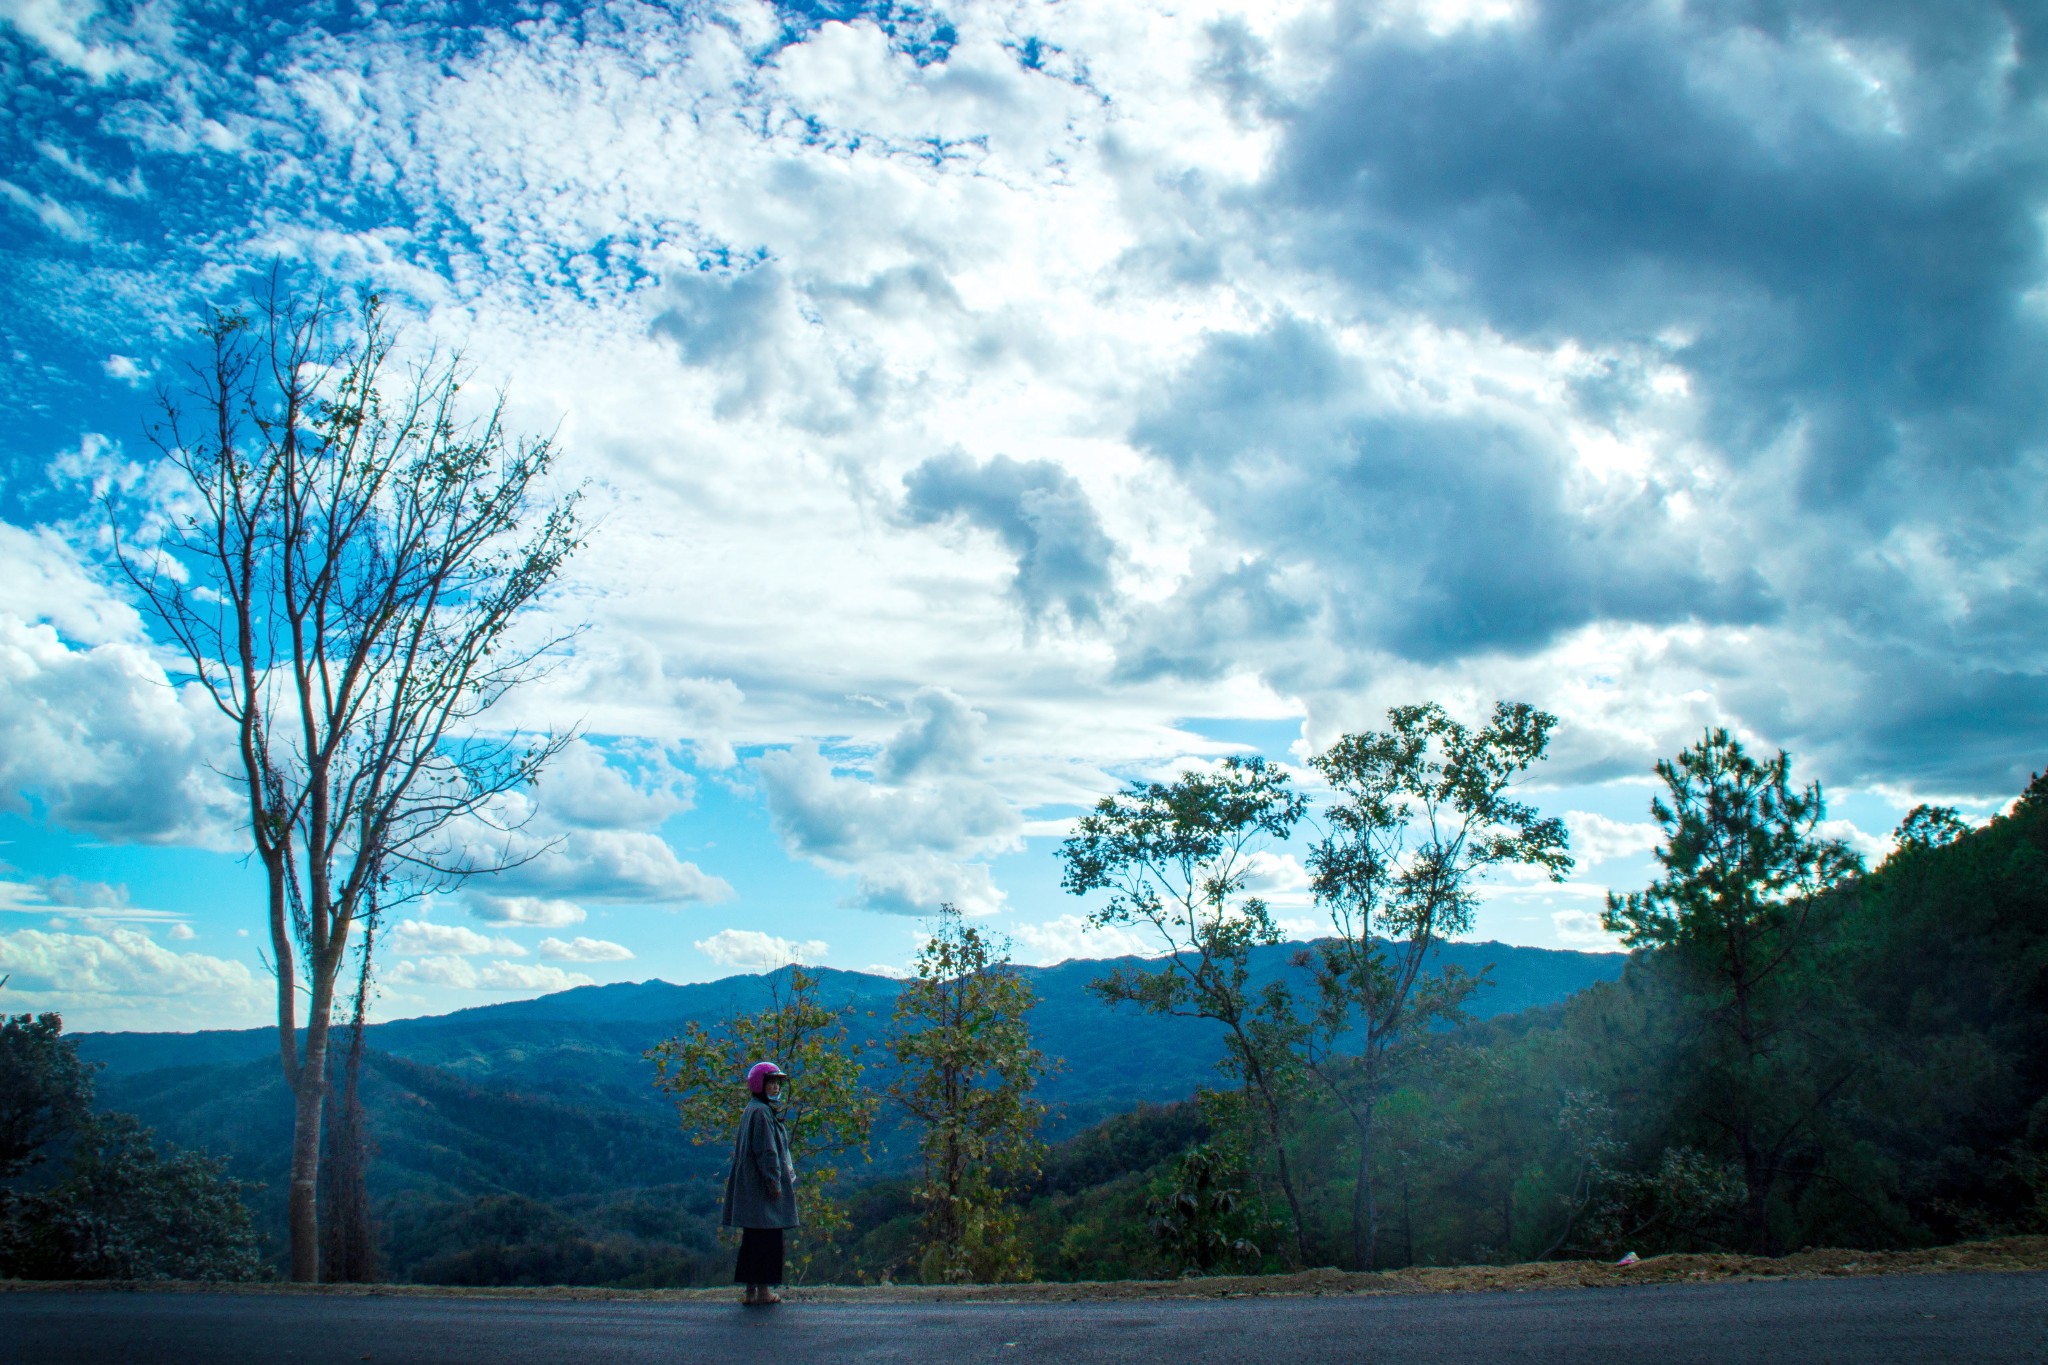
point(1041, 514)
point(587, 834)
point(752, 950)
point(943, 734)
point(458, 973)
point(1071, 936)
point(1597, 838)
point(121, 978)
point(413, 937)
point(1770, 288)
point(581, 949)
point(1432, 528)
point(913, 847)
point(530, 911)
point(100, 739)
point(619, 866)
point(845, 818)
point(1578, 928)
point(584, 789)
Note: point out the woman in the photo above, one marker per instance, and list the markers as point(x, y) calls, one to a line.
point(760, 1190)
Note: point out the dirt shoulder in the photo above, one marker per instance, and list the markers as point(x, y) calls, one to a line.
point(2008, 1253)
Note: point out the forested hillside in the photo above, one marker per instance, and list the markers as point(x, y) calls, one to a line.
point(1906, 1082)
point(1589, 1107)
point(536, 1124)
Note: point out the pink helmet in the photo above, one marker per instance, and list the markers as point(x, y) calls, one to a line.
point(758, 1074)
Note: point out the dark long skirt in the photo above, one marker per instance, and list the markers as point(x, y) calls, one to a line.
point(760, 1257)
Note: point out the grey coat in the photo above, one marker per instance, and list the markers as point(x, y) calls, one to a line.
point(760, 1189)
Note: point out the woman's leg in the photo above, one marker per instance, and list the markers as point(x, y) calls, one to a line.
point(760, 1263)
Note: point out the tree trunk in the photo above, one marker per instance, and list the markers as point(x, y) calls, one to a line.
point(1364, 1216)
point(349, 1251)
point(303, 1208)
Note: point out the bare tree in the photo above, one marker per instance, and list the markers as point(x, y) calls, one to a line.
point(345, 570)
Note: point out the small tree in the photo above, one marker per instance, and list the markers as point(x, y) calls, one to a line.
point(1202, 1222)
point(45, 1090)
point(1737, 910)
point(1174, 858)
point(120, 1206)
point(1423, 812)
point(968, 1070)
point(828, 1114)
point(344, 573)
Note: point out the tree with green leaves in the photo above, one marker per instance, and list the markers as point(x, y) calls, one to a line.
point(1738, 913)
point(347, 569)
point(1422, 811)
point(120, 1205)
point(45, 1090)
point(968, 1071)
point(1202, 1221)
point(829, 1114)
point(1175, 858)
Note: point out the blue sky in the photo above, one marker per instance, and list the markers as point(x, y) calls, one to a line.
point(986, 404)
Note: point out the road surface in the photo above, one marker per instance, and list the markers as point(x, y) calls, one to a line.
point(1987, 1318)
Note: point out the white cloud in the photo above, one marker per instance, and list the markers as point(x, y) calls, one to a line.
point(59, 218)
point(125, 369)
point(60, 28)
point(120, 978)
point(100, 738)
point(1598, 838)
point(1072, 936)
point(752, 950)
point(459, 973)
point(757, 297)
point(413, 937)
point(620, 866)
point(1874, 848)
point(531, 911)
point(1277, 877)
point(584, 789)
point(81, 901)
point(581, 949)
point(1581, 929)
point(183, 933)
point(912, 847)
point(44, 580)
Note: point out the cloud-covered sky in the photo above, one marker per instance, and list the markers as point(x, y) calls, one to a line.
point(985, 403)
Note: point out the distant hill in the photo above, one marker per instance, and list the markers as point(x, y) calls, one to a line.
point(551, 1099)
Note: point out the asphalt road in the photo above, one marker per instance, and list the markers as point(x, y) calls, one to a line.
point(1976, 1317)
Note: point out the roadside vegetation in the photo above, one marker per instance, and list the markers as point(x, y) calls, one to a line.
point(90, 1194)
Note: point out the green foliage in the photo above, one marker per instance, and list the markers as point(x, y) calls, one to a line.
point(1928, 827)
point(130, 1210)
point(1422, 812)
point(45, 1091)
point(1175, 859)
point(1202, 1222)
point(119, 1205)
point(656, 1239)
point(968, 1070)
point(829, 1115)
point(1742, 913)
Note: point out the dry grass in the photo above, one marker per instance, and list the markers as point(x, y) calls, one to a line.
point(2009, 1253)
